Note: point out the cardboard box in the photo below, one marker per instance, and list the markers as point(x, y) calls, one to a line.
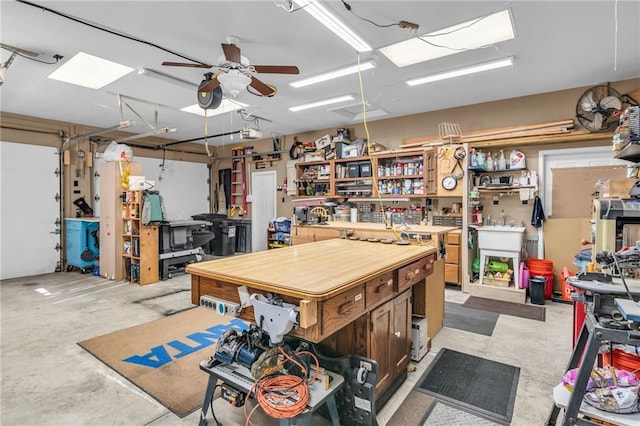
point(614, 188)
point(419, 339)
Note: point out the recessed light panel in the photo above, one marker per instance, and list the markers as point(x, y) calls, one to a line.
point(479, 32)
point(225, 106)
point(89, 71)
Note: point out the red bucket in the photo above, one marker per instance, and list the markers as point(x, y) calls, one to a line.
point(542, 268)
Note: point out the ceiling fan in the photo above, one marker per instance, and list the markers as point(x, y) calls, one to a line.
point(234, 74)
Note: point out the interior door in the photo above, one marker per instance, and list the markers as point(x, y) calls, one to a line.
point(263, 207)
point(29, 210)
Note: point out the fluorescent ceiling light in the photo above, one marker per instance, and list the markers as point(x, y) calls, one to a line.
point(225, 106)
point(89, 71)
point(506, 62)
point(322, 103)
point(334, 74)
point(326, 18)
point(468, 35)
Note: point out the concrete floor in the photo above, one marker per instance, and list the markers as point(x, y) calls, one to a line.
point(47, 379)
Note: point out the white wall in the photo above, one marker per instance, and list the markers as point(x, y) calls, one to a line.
point(183, 185)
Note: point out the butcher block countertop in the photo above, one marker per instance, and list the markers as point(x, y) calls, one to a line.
point(311, 271)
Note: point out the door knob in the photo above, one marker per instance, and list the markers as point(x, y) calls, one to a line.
point(397, 333)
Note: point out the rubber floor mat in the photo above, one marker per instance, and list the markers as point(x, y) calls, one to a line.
point(478, 384)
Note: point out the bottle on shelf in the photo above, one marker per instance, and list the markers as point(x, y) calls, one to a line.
point(480, 159)
point(502, 162)
point(489, 162)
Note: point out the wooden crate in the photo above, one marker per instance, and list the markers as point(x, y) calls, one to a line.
point(496, 282)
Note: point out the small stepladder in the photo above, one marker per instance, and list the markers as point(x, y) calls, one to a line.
point(238, 182)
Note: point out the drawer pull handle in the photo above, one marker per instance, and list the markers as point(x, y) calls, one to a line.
point(410, 275)
point(344, 307)
point(380, 287)
point(397, 333)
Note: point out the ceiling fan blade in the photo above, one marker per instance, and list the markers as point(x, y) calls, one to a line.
point(232, 53)
point(209, 85)
point(185, 64)
point(261, 87)
point(277, 69)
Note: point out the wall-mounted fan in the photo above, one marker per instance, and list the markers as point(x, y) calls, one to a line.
point(234, 72)
point(598, 108)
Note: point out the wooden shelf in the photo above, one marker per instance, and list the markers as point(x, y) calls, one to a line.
point(542, 140)
point(139, 250)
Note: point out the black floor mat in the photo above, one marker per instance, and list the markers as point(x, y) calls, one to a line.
point(469, 319)
point(478, 384)
point(534, 312)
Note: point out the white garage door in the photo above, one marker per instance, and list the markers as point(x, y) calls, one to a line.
point(28, 210)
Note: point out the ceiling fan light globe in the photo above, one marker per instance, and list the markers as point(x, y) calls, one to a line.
point(234, 81)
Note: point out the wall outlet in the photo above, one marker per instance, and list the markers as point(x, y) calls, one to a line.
point(223, 307)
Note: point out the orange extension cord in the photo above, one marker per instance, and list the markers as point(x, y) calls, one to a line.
point(284, 396)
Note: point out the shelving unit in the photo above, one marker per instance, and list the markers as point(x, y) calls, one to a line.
point(314, 178)
point(139, 243)
point(397, 174)
point(279, 234)
point(353, 177)
point(401, 174)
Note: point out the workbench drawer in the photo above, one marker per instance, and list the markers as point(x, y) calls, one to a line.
point(379, 289)
point(451, 273)
point(453, 237)
point(415, 272)
point(341, 309)
point(453, 253)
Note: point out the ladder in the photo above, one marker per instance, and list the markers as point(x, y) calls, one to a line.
point(238, 182)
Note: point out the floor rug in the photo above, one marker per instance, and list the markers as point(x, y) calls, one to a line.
point(441, 414)
point(534, 312)
point(477, 384)
point(469, 319)
point(162, 357)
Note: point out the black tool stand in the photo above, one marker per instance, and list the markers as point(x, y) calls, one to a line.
point(239, 377)
point(598, 328)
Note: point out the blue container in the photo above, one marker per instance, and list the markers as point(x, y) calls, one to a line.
point(77, 239)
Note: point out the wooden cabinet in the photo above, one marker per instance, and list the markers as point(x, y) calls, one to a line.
point(310, 234)
point(450, 161)
point(139, 243)
point(353, 177)
point(431, 173)
point(401, 174)
point(314, 178)
point(391, 339)
point(454, 256)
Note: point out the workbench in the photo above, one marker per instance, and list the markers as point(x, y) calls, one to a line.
point(354, 297)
